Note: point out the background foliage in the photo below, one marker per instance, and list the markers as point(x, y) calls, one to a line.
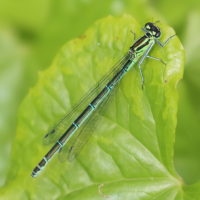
point(31, 32)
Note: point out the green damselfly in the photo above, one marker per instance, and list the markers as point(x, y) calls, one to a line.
point(74, 129)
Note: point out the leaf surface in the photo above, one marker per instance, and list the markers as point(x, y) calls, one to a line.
point(131, 151)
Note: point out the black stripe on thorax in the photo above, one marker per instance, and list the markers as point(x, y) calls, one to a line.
point(143, 45)
point(139, 42)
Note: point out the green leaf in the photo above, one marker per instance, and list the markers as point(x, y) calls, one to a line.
point(131, 151)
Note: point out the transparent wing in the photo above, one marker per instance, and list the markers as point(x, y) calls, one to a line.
point(63, 124)
point(73, 147)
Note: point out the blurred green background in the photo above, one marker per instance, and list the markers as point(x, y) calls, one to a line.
point(31, 32)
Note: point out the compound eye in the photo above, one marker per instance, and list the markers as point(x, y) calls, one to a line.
point(157, 34)
point(148, 26)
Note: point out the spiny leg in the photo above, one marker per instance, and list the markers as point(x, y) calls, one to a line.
point(133, 36)
point(142, 59)
point(144, 30)
point(162, 45)
point(156, 59)
point(146, 55)
point(141, 74)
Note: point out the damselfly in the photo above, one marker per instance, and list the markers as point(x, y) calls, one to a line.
point(74, 129)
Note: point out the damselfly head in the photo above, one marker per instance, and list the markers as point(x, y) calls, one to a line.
point(153, 30)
